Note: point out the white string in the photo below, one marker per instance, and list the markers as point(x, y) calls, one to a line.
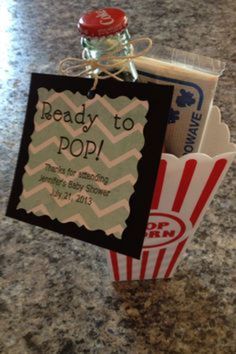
point(86, 67)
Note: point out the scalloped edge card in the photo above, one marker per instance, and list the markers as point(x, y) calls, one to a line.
point(87, 166)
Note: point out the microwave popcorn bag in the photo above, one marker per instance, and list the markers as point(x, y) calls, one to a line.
point(195, 79)
point(184, 188)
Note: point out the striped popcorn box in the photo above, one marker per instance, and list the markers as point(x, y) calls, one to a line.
point(184, 188)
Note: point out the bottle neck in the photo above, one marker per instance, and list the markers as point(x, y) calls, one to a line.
point(94, 48)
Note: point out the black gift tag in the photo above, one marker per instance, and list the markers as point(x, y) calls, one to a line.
point(87, 167)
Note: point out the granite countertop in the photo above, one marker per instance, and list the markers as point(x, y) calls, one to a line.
point(55, 292)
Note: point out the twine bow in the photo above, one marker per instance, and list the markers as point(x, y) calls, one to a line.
point(87, 67)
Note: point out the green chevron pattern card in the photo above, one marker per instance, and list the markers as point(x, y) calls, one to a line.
point(87, 166)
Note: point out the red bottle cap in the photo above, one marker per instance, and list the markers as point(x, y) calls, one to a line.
point(103, 22)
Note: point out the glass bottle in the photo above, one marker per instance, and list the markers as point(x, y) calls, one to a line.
point(105, 32)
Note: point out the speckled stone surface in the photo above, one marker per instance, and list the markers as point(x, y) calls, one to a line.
point(55, 292)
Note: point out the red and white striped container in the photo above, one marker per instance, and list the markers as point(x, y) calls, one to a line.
point(184, 188)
